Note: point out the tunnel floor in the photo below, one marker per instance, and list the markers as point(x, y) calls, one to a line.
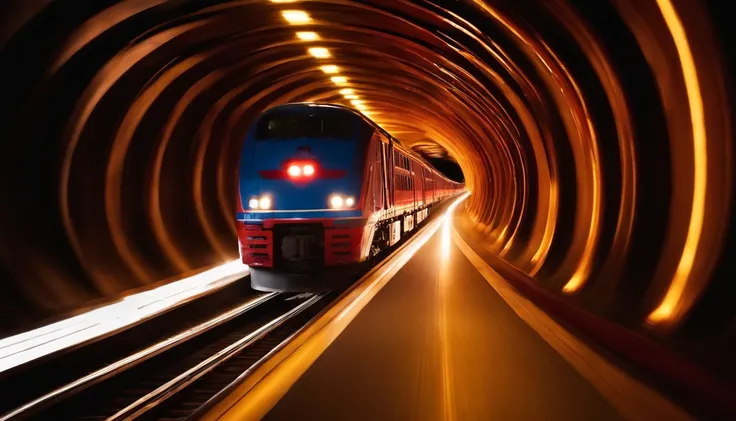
point(438, 342)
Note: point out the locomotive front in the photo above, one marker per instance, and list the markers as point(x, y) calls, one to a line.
point(301, 206)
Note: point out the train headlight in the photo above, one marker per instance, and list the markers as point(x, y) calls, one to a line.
point(339, 202)
point(336, 201)
point(265, 202)
point(253, 203)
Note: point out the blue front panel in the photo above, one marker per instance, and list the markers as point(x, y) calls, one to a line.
point(319, 214)
point(269, 155)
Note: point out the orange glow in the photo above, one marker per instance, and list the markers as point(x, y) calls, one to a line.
point(296, 17)
point(330, 68)
point(319, 52)
point(665, 310)
point(307, 36)
point(558, 147)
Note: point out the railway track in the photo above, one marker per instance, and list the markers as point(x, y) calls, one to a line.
point(175, 366)
point(167, 378)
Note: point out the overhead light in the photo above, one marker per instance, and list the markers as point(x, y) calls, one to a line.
point(357, 102)
point(283, 1)
point(296, 17)
point(319, 52)
point(339, 79)
point(351, 97)
point(347, 91)
point(330, 68)
point(307, 36)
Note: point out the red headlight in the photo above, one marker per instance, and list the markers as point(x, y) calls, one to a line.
point(300, 169)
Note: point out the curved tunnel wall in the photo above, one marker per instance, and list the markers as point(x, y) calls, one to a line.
point(596, 139)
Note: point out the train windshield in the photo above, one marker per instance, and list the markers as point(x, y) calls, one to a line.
point(301, 125)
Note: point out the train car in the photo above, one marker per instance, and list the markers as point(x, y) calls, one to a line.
point(323, 189)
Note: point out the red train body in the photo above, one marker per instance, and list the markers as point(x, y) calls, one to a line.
point(325, 189)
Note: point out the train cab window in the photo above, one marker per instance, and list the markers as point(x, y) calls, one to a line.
point(284, 125)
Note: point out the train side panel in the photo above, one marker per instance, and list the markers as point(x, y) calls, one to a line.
point(390, 190)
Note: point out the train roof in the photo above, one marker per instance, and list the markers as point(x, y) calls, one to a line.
point(408, 151)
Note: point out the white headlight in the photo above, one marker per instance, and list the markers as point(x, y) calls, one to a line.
point(349, 201)
point(336, 201)
point(265, 202)
point(253, 203)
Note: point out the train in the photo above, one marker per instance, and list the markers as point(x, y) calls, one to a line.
point(323, 190)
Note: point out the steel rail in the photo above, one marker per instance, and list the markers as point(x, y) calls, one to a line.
point(165, 391)
point(134, 359)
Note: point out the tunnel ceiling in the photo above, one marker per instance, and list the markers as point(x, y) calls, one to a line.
point(594, 136)
point(431, 149)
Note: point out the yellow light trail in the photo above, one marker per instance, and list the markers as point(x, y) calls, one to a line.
point(674, 293)
point(445, 278)
point(307, 36)
point(296, 17)
point(330, 68)
point(319, 52)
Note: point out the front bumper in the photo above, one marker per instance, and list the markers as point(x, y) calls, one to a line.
point(271, 243)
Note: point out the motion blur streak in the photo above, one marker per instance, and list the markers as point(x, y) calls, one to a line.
point(596, 139)
point(33, 344)
point(269, 382)
point(672, 298)
point(445, 287)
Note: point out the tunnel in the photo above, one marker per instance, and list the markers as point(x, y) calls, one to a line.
point(596, 139)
